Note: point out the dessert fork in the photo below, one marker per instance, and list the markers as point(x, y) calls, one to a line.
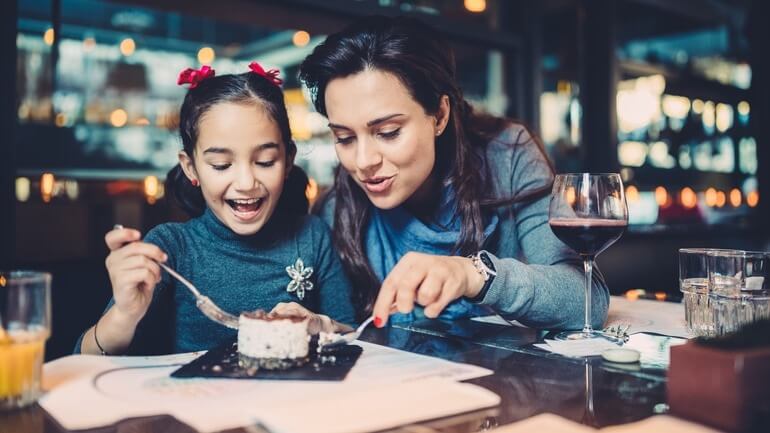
point(204, 303)
point(349, 337)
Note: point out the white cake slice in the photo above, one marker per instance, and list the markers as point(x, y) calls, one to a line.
point(272, 341)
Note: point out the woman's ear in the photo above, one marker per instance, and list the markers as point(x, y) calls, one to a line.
point(188, 167)
point(442, 115)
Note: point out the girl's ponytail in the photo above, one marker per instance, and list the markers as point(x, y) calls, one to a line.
point(187, 196)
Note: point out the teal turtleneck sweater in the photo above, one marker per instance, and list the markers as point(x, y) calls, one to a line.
point(239, 273)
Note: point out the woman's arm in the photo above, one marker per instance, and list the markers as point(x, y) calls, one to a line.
point(544, 287)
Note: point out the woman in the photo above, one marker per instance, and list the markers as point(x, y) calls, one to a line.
point(435, 205)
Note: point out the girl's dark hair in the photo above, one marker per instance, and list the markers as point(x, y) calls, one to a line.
point(246, 88)
point(425, 65)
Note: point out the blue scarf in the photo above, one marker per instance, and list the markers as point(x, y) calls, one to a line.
point(395, 232)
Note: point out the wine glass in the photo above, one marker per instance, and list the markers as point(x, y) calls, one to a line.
point(588, 212)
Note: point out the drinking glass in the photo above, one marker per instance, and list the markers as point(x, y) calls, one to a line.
point(588, 212)
point(693, 283)
point(739, 288)
point(25, 324)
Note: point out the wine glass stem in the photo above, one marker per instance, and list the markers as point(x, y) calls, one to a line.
point(588, 267)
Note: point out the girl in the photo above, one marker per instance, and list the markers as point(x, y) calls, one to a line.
point(251, 244)
point(435, 204)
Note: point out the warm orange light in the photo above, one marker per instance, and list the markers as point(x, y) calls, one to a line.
point(48, 37)
point(721, 198)
point(127, 47)
point(60, 119)
point(475, 5)
point(697, 106)
point(634, 294)
point(661, 196)
point(752, 199)
point(142, 121)
point(711, 197)
point(632, 194)
point(206, 55)
point(735, 197)
point(151, 188)
point(571, 196)
point(311, 192)
point(118, 118)
point(660, 296)
point(2, 281)
point(300, 38)
point(688, 198)
point(46, 186)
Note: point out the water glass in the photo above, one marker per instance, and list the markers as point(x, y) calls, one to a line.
point(693, 283)
point(739, 288)
point(25, 324)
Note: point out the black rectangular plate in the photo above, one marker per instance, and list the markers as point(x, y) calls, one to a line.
point(222, 362)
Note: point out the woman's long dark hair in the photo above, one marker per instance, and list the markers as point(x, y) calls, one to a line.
point(425, 65)
point(246, 88)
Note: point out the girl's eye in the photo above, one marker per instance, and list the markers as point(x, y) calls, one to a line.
point(344, 140)
point(389, 135)
point(220, 167)
point(266, 163)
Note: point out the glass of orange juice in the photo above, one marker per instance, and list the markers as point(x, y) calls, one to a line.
point(25, 324)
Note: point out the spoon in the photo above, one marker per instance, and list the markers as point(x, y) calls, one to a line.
point(204, 303)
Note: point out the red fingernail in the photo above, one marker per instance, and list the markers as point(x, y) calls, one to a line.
point(378, 322)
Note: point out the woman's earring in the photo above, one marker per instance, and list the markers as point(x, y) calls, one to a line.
point(194, 182)
point(439, 132)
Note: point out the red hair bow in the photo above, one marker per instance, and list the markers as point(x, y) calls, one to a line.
point(271, 75)
point(194, 76)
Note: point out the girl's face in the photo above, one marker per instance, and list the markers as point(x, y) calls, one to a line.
point(383, 137)
point(240, 163)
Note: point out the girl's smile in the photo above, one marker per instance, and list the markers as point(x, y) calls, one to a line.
point(245, 209)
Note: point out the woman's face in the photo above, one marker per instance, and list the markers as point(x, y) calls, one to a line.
point(383, 137)
point(240, 163)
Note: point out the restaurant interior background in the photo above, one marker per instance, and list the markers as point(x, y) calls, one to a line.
point(672, 94)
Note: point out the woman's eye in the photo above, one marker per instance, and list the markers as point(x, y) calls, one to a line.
point(389, 135)
point(266, 163)
point(220, 167)
point(344, 140)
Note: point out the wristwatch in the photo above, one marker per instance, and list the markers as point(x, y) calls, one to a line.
point(486, 268)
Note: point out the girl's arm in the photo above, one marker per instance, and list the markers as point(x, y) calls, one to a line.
point(133, 274)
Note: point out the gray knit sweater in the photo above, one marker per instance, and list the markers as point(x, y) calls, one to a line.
point(539, 279)
point(239, 273)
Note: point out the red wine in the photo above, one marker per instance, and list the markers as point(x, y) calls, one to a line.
point(588, 237)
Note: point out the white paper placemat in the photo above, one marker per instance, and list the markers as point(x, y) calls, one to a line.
point(87, 391)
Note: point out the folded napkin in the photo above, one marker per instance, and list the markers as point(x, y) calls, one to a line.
point(577, 348)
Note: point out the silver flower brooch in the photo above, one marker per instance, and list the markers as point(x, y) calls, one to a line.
point(300, 278)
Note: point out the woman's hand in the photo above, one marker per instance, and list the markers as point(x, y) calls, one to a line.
point(432, 281)
point(133, 271)
point(316, 322)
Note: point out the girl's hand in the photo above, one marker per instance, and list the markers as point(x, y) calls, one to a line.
point(133, 271)
point(429, 280)
point(316, 322)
